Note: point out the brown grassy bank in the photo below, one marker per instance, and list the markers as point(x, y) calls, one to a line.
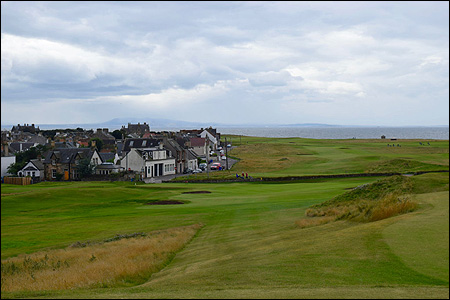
point(123, 262)
point(385, 198)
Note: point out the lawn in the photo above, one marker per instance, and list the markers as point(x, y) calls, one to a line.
point(249, 244)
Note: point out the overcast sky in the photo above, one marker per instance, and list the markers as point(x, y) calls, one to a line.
point(346, 63)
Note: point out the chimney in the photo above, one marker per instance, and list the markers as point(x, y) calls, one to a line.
point(105, 130)
point(99, 130)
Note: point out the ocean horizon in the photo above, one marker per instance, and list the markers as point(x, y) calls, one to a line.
point(431, 133)
point(314, 132)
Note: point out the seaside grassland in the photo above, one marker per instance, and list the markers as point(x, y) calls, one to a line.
point(297, 156)
point(237, 240)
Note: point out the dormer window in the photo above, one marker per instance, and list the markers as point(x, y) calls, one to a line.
point(54, 162)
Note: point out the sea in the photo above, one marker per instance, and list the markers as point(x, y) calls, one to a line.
point(426, 133)
point(313, 132)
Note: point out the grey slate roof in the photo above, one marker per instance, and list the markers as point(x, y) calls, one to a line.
point(139, 143)
point(105, 156)
point(67, 155)
point(15, 146)
point(38, 163)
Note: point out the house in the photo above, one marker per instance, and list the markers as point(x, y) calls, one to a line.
point(38, 139)
point(149, 162)
point(109, 157)
point(139, 144)
point(211, 141)
point(191, 159)
point(105, 136)
point(16, 147)
point(107, 168)
point(64, 161)
point(138, 129)
point(34, 168)
point(198, 145)
point(25, 128)
point(177, 152)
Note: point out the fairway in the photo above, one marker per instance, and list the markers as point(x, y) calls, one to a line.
point(239, 240)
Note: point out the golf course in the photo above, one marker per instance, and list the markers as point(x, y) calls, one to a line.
point(328, 232)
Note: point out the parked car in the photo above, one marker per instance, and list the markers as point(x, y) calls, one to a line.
point(216, 166)
point(188, 171)
point(203, 166)
point(196, 171)
point(229, 146)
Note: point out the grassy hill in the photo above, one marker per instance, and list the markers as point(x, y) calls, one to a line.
point(235, 240)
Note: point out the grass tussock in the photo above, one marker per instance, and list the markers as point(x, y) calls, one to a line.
point(311, 222)
point(118, 262)
point(380, 200)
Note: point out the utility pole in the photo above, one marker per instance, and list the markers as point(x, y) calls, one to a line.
point(226, 151)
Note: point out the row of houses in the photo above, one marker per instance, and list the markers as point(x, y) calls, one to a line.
point(158, 155)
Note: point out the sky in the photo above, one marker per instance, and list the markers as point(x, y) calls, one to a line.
point(342, 63)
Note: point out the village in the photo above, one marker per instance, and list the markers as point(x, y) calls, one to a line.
point(132, 153)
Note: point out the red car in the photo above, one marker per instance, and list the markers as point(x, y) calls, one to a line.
point(215, 166)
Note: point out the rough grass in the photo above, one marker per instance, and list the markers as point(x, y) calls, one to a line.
point(298, 156)
point(383, 199)
point(402, 166)
point(120, 262)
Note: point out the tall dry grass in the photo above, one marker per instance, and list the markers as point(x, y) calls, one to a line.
point(123, 262)
point(360, 210)
point(311, 222)
point(390, 206)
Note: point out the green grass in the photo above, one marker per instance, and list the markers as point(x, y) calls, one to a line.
point(250, 245)
point(298, 156)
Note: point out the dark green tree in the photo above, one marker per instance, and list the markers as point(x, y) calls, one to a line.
point(85, 167)
point(22, 158)
point(117, 134)
point(98, 143)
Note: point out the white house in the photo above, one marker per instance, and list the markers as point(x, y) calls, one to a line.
point(149, 162)
point(34, 168)
point(211, 139)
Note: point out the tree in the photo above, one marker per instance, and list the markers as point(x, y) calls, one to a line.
point(85, 167)
point(117, 134)
point(98, 143)
point(22, 158)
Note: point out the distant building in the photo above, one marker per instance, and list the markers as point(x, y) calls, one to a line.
point(25, 128)
point(139, 129)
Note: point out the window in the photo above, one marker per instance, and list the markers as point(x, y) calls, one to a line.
point(144, 142)
point(54, 162)
point(131, 143)
point(53, 173)
point(33, 174)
